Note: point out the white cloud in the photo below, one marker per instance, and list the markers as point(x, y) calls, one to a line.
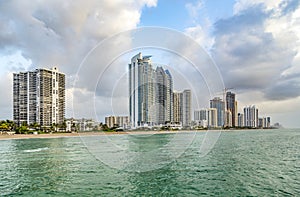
point(48, 33)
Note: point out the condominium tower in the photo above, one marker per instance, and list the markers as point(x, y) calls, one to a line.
point(150, 93)
point(39, 97)
point(220, 106)
point(251, 116)
point(231, 105)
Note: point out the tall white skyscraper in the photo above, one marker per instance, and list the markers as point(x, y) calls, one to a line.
point(150, 93)
point(251, 116)
point(39, 97)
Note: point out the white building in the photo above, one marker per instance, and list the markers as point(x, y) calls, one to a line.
point(39, 97)
point(150, 93)
point(240, 120)
point(212, 118)
point(251, 116)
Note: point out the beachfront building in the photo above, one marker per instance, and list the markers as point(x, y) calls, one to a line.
point(150, 93)
point(177, 107)
point(117, 121)
point(231, 105)
point(240, 120)
point(251, 116)
point(200, 118)
point(39, 97)
point(220, 106)
point(212, 116)
point(228, 119)
point(186, 108)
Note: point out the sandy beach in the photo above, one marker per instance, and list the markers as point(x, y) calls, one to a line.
point(59, 135)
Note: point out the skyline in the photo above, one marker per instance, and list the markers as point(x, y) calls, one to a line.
point(254, 45)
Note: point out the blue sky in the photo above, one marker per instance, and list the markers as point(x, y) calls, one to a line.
point(255, 45)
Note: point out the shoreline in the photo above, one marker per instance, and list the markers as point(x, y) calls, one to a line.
point(101, 133)
point(82, 134)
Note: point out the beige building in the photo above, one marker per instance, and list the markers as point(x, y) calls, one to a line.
point(117, 121)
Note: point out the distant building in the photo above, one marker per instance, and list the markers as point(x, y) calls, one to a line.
point(231, 106)
point(220, 106)
point(81, 125)
point(264, 122)
point(228, 119)
point(177, 107)
point(240, 120)
point(117, 121)
point(212, 118)
point(251, 116)
point(187, 108)
point(200, 117)
point(39, 97)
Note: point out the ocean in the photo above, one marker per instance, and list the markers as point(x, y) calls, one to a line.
point(240, 163)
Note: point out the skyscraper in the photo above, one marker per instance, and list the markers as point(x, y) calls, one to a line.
point(177, 107)
point(240, 120)
point(169, 97)
point(220, 106)
point(231, 106)
point(150, 93)
point(212, 118)
point(251, 116)
point(187, 108)
point(39, 97)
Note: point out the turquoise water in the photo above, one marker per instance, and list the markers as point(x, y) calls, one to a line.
point(242, 163)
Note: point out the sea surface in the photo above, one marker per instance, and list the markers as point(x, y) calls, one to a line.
point(241, 163)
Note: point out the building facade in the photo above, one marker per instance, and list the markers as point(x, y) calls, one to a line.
point(177, 107)
point(187, 108)
point(117, 121)
point(212, 118)
point(220, 106)
point(240, 120)
point(39, 97)
point(231, 106)
point(251, 116)
point(150, 93)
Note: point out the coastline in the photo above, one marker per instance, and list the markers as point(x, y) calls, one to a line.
point(61, 135)
point(101, 133)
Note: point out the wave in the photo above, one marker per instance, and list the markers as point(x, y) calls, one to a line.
point(35, 150)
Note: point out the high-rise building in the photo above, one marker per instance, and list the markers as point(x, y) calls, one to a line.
point(200, 117)
point(212, 118)
point(228, 118)
point(220, 106)
point(141, 91)
point(186, 108)
point(39, 97)
point(231, 106)
point(177, 107)
point(251, 116)
point(150, 93)
point(169, 97)
point(240, 120)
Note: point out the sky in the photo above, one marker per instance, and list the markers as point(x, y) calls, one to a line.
point(254, 45)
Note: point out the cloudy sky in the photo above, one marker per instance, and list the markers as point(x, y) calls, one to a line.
point(254, 44)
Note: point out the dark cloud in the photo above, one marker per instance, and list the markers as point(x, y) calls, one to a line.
point(252, 58)
point(283, 90)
